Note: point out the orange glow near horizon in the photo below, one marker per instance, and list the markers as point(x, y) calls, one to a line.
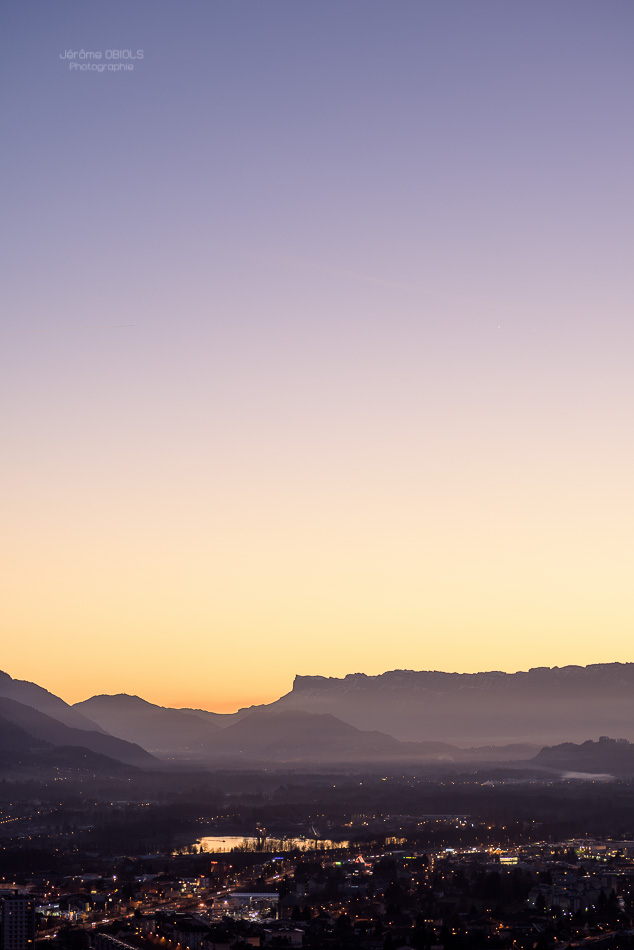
point(326, 366)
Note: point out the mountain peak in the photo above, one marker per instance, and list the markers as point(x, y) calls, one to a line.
point(122, 700)
point(30, 694)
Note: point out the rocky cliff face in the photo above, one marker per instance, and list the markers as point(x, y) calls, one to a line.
point(606, 676)
point(541, 705)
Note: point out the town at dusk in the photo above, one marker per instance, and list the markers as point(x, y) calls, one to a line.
point(316, 348)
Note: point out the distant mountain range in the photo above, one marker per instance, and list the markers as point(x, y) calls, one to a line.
point(263, 735)
point(424, 718)
point(158, 728)
point(38, 728)
point(24, 756)
point(606, 756)
point(39, 698)
point(542, 705)
point(56, 733)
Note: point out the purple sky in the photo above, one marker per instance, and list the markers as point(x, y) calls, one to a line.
point(317, 330)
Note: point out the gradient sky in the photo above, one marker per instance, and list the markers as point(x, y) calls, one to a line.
point(317, 341)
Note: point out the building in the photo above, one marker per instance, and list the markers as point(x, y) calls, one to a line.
point(17, 921)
